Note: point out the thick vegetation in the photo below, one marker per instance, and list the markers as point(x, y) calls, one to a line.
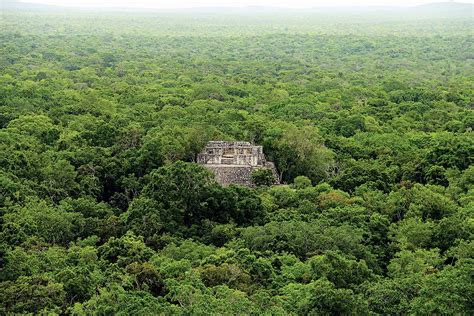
point(369, 123)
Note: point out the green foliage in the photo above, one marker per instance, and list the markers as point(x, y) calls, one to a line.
point(301, 182)
point(31, 294)
point(342, 272)
point(230, 275)
point(263, 177)
point(299, 151)
point(322, 297)
point(182, 190)
point(116, 300)
point(303, 238)
point(103, 210)
point(449, 291)
point(39, 219)
point(392, 296)
point(125, 250)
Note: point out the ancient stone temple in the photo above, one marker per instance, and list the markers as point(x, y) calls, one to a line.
point(233, 162)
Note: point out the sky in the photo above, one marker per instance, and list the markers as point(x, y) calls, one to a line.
point(174, 4)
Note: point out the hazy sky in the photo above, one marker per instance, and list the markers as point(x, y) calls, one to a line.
point(230, 3)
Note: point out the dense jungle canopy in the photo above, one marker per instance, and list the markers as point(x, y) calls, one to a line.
point(368, 116)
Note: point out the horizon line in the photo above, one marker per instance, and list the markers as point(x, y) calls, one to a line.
point(355, 6)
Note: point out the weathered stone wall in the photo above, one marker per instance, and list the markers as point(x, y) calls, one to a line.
point(270, 165)
point(232, 153)
point(242, 175)
point(227, 175)
point(234, 162)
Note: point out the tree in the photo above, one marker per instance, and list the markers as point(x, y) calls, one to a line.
point(59, 180)
point(227, 274)
point(407, 263)
point(263, 177)
point(33, 294)
point(125, 250)
point(342, 272)
point(299, 151)
point(392, 296)
point(449, 291)
point(322, 297)
point(184, 192)
point(39, 126)
point(412, 234)
point(37, 218)
point(301, 182)
point(115, 299)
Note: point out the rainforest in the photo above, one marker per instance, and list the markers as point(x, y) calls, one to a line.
point(367, 116)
